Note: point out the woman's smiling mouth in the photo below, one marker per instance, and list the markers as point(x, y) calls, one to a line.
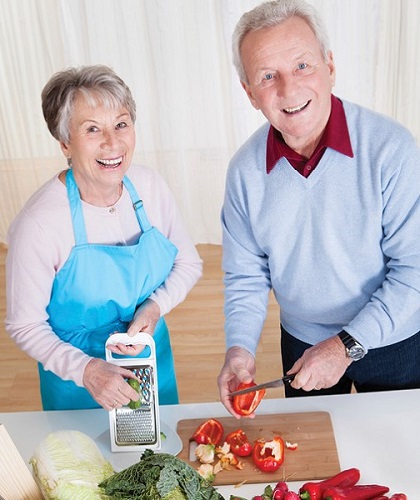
point(291, 111)
point(114, 163)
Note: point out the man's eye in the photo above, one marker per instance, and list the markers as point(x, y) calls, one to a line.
point(268, 76)
point(302, 66)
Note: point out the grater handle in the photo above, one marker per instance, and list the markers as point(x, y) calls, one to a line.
point(123, 338)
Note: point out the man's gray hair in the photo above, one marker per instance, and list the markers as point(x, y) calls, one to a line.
point(98, 84)
point(271, 14)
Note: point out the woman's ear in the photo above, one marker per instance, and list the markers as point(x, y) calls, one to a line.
point(66, 152)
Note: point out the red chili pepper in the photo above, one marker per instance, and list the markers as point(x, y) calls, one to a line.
point(239, 443)
point(268, 455)
point(245, 404)
point(395, 496)
point(357, 492)
point(314, 490)
point(209, 432)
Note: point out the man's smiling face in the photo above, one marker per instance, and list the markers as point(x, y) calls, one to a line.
point(290, 81)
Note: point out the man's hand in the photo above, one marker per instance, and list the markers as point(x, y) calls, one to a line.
point(145, 319)
point(321, 366)
point(239, 367)
point(107, 385)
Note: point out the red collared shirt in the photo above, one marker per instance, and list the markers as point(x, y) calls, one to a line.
point(336, 136)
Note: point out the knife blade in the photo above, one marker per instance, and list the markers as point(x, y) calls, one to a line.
point(279, 382)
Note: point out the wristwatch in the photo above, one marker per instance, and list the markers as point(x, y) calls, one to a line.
point(354, 349)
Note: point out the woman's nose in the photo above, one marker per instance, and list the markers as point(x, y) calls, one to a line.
point(109, 138)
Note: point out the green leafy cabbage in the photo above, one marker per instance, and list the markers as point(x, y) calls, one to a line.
point(159, 476)
point(68, 465)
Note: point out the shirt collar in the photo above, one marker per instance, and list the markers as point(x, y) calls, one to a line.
point(336, 136)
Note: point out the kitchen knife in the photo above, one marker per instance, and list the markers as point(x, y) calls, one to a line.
point(266, 385)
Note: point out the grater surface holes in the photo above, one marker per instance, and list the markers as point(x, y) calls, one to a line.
point(135, 427)
point(145, 375)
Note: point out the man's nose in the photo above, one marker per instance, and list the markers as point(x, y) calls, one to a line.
point(286, 85)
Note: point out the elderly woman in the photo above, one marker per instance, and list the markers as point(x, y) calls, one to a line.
point(100, 248)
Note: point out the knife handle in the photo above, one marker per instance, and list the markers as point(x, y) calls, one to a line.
point(288, 379)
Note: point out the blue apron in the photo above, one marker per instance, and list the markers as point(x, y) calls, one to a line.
point(96, 294)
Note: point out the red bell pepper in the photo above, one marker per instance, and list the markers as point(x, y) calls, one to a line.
point(314, 490)
point(209, 432)
point(268, 455)
point(239, 443)
point(357, 492)
point(245, 404)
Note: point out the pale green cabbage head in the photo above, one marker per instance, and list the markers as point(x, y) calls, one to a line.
point(68, 465)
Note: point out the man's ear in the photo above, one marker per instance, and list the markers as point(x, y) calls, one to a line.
point(331, 66)
point(250, 95)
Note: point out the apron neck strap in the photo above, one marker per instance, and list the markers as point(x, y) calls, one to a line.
point(79, 227)
point(73, 194)
point(138, 205)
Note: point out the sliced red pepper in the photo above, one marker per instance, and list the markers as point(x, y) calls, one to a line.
point(357, 492)
point(245, 404)
point(239, 443)
point(314, 490)
point(209, 432)
point(268, 455)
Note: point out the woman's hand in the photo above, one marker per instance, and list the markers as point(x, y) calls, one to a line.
point(107, 385)
point(239, 367)
point(145, 319)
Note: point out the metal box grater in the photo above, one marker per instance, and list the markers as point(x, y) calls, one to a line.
point(136, 429)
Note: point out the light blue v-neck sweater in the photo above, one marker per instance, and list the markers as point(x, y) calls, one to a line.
point(341, 248)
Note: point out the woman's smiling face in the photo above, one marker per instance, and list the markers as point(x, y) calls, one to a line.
point(289, 80)
point(101, 145)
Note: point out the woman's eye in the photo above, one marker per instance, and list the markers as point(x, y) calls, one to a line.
point(122, 125)
point(92, 129)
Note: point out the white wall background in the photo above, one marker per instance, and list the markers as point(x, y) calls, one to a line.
point(175, 56)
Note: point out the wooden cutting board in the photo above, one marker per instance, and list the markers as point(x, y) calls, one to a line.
point(315, 457)
point(16, 481)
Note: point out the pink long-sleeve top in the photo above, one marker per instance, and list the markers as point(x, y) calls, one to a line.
point(40, 240)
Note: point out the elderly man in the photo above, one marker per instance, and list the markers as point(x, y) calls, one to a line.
point(322, 206)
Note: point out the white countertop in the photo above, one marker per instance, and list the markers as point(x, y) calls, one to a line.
point(379, 433)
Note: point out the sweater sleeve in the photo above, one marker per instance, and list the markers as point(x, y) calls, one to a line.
point(163, 213)
point(247, 277)
point(31, 264)
point(393, 313)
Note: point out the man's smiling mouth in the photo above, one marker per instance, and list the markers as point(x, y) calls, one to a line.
point(291, 111)
point(114, 163)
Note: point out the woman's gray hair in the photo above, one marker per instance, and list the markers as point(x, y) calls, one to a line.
point(98, 84)
point(271, 14)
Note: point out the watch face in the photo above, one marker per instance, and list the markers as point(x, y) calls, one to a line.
point(356, 352)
